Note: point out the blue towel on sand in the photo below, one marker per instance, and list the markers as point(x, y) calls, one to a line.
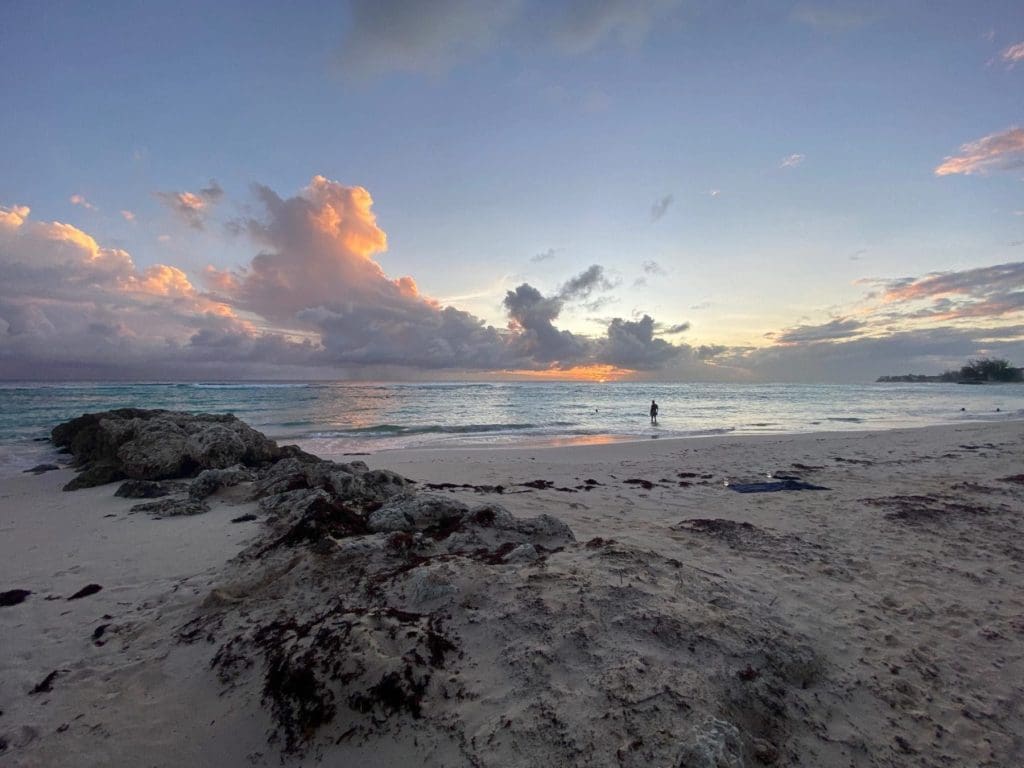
point(778, 485)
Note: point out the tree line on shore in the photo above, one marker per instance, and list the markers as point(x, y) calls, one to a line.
point(981, 371)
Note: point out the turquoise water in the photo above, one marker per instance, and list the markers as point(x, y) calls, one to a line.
point(336, 418)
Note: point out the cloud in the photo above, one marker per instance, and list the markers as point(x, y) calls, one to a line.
point(839, 328)
point(587, 25)
point(660, 207)
point(926, 350)
point(192, 207)
point(651, 267)
point(714, 192)
point(127, 215)
point(411, 36)
point(532, 317)
point(791, 161)
point(631, 344)
point(81, 201)
point(1013, 54)
point(979, 282)
point(543, 256)
point(996, 152)
point(69, 304)
point(386, 36)
point(585, 283)
point(989, 292)
point(676, 329)
point(831, 18)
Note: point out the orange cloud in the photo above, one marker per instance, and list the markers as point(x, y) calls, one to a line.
point(12, 218)
point(192, 207)
point(998, 151)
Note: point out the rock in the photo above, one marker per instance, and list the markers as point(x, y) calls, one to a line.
point(383, 483)
point(282, 476)
point(345, 485)
point(209, 481)
point(292, 503)
point(294, 452)
point(157, 445)
point(99, 473)
point(39, 469)
point(543, 529)
point(416, 513)
point(13, 597)
point(524, 553)
point(144, 489)
point(765, 752)
point(174, 507)
point(216, 447)
point(713, 744)
point(86, 591)
point(314, 517)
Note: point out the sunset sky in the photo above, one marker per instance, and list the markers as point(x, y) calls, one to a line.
point(383, 189)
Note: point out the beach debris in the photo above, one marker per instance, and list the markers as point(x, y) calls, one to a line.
point(645, 484)
point(862, 462)
point(785, 484)
point(97, 634)
point(39, 469)
point(460, 486)
point(46, 685)
point(243, 518)
point(88, 589)
point(918, 509)
point(13, 597)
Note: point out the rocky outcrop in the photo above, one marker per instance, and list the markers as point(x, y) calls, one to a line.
point(362, 609)
point(158, 445)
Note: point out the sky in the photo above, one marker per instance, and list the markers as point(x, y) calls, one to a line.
point(672, 190)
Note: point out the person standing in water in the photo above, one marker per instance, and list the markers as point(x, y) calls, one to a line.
point(654, 412)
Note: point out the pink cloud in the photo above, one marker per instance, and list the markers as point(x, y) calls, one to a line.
point(1013, 54)
point(81, 201)
point(996, 152)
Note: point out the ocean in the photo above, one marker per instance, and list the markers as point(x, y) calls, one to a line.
point(331, 419)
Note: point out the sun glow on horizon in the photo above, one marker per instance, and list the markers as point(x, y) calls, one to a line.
point(598, 374)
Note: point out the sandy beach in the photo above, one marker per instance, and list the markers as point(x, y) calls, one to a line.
point(875, 621)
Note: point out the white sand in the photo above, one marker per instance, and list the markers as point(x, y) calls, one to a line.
point(897, 641)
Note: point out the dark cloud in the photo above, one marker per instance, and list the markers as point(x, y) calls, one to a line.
point(660, 207)
point(676, 329)
point(533, 315)
point(543, 256)
point(585, 283)
point(631, 344)
point(866, 358)
point(839, 328)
